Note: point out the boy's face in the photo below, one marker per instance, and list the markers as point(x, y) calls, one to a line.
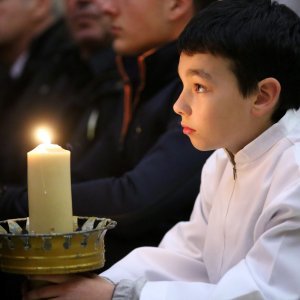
point(138, 25)
point(214, 113)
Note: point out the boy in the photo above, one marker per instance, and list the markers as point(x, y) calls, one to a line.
point(239, 66)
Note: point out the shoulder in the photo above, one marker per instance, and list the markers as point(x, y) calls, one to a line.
point(282, 198)
point(287, 170)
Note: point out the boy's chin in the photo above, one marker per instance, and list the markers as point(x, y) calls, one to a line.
point(202, 146)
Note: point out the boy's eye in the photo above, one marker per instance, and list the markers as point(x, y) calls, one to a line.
point(199, 88)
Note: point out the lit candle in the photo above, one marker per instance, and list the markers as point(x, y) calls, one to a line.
point(49, 188)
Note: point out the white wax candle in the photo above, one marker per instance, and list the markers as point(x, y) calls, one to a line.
point(49, 189)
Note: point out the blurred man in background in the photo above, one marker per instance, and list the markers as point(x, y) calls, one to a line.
point(30, 34)
point(59, 70)
point(90, 29)
point(51, 71)
point(34, 77)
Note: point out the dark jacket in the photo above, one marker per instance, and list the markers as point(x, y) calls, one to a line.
point(139, 168)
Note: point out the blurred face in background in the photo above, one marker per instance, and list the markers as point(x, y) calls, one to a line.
point(88, 26)
point(15, 20)
point(138, 25)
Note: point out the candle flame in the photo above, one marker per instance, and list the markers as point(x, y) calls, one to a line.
point(43, 135)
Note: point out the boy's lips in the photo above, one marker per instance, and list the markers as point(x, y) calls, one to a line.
point(187, 130)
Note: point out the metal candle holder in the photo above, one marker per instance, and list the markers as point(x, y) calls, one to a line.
point(23, 252)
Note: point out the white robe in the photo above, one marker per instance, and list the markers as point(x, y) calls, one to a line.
point(243, 237)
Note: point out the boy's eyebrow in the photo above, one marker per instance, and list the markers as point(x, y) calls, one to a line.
point(199, 72)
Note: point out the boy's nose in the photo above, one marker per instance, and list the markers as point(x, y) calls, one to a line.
point(180, 106)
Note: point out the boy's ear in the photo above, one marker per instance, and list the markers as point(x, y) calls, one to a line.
point(177, 8)
point(267, 97)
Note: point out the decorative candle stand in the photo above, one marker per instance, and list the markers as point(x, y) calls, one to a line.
point(82, 250)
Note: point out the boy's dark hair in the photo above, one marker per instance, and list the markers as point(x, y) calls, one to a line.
point(260, 38)
point(200, 4)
